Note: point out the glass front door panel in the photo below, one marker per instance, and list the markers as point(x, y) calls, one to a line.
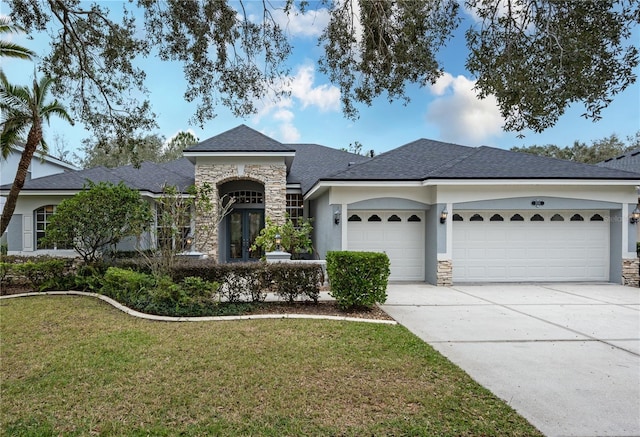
point(235, 240)
point(255, 225)
point(244, 228)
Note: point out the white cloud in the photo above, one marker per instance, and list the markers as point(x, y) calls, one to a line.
point(303, 94)
point(309, 24)
point(459, 114)
point(324, 97)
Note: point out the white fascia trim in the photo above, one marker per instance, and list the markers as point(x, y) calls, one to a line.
point(237, 154)
point(47, 157)
point(74, 192)
point(585, 182)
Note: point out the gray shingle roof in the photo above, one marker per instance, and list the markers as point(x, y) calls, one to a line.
point(427, 159)
point(148, 177)
point(313, 162)
point(240, 139)
point(628, 161)
point(416, 161)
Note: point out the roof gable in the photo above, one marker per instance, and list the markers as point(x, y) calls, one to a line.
point(628, 161)
point(427, 159)
point(239, 139)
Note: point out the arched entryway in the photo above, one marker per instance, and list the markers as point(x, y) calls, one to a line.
point(244, 222)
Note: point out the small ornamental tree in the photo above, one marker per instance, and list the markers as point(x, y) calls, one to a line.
point(97, 219)
point(175, 213)
point(294, 239)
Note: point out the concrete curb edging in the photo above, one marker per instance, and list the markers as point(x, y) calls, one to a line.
point(140, 315)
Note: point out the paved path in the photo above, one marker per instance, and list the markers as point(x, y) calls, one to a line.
point(565, 356)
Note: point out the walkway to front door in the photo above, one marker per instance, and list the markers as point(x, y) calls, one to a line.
point(244, 226)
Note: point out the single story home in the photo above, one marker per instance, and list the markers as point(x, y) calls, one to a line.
point(444, 213)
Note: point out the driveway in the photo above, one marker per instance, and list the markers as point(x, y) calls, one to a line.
point(565, 356)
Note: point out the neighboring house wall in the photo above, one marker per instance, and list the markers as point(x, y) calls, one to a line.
point(40, 166)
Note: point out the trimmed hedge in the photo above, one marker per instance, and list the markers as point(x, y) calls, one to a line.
point(358, 279)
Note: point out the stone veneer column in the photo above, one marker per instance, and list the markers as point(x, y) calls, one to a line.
point(444, 274)
point(631, 272)
point(272, 176)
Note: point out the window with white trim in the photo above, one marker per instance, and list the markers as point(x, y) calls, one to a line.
point(295, 208)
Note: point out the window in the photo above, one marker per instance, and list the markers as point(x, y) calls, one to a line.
point(557, 218)
point(394, 218)
point(295, 208)
point(577, 218)
point(173, 226)
point(596, 218)
point(476, 218)
point(457, 218)
point(374, 218)
point(42, 217)
point(414, 218)
point(354, 218)
point(537, 218)
point(496, 218)
point(243, 197)
point(517, 218)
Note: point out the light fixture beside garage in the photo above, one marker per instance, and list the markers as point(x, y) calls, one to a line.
point(537, 203)
point(336, 217)
point(635, 215)
point(443, 215)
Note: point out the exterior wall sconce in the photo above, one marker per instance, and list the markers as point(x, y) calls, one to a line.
point(278, 243)
point(537, 203)
point(443, 215)
point(336, 218)
point(635, 215)
point(188, 242)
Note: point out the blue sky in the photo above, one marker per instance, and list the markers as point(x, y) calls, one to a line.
point(447, 111)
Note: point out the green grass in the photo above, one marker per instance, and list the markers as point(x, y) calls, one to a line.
point(76, 366)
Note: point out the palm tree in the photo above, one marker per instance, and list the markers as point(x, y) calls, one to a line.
point(23, 109)
point(9, 49)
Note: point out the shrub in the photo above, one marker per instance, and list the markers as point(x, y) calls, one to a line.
point(293, 280)
point(5, 270)
point(46, 274)
point(243, 282)
point(358, 278)
point(127, 287)
point(90, 277)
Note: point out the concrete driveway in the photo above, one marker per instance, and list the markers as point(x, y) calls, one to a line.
point(565, 356)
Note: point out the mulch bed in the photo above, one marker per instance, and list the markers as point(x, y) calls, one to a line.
point(322, 308)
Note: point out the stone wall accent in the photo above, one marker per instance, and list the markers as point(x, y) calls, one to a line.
point(631, 272)
point(444, 274)
point(274, 178)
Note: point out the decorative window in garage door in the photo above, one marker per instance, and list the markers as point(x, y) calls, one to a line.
point(354, 218)
point(577, 218)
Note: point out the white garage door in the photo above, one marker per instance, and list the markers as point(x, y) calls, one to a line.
point(400, 234)
point(503, 246)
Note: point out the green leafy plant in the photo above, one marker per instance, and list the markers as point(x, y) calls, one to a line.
point(294, 239)
point(358, 279)
point(46, 274)
point(97, 218)
point(293, 280)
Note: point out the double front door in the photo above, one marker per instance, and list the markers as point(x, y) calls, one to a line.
point(244, 226)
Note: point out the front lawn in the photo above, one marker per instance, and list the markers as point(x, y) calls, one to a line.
point(76, 366)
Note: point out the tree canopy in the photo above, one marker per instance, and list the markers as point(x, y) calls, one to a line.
point(97, 218)
point(152, 148)
point(536, 57)
point(598, 151)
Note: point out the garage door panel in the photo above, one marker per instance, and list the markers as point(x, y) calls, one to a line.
point(531, 251)
point(403, 241)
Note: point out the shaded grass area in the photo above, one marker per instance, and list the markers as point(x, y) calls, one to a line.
point(77, 366)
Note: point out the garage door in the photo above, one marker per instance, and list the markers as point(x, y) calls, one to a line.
point(503, 246)
point(400, 234)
